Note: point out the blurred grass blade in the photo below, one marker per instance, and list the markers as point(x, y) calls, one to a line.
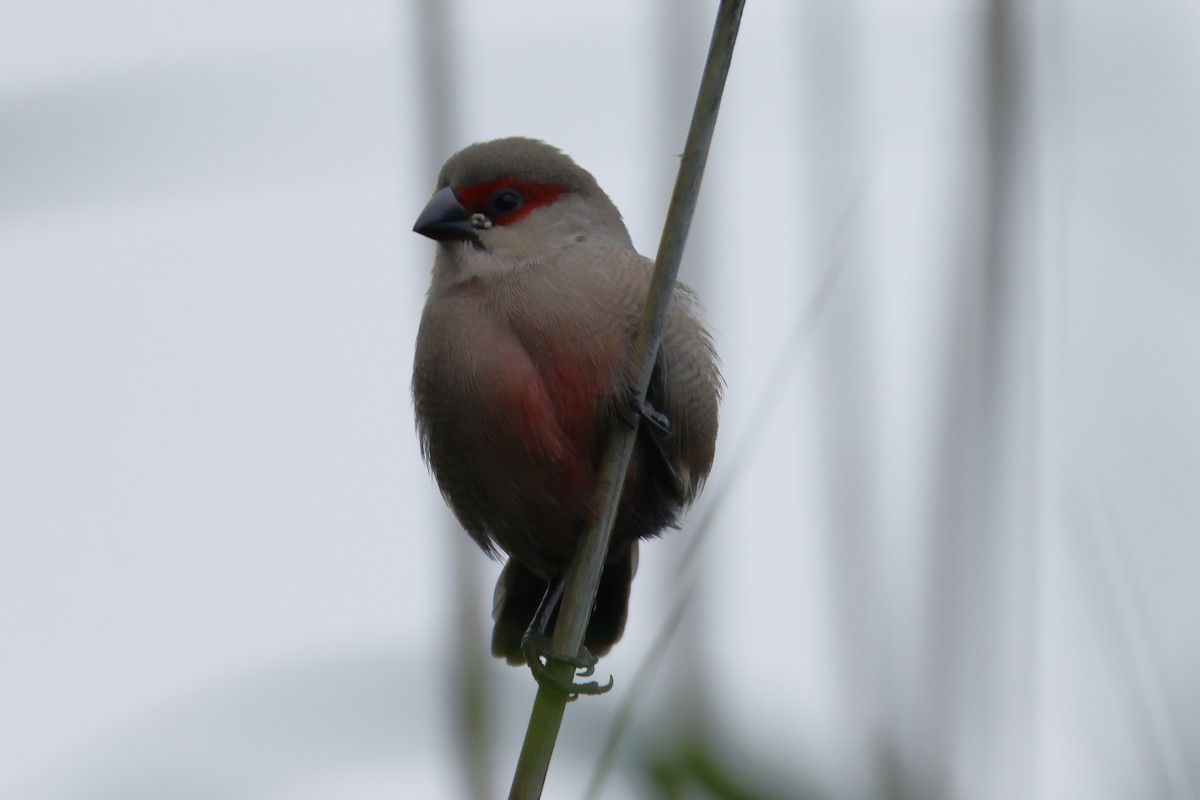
point(716, 496)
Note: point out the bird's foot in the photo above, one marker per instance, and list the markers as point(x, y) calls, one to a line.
point(657, 430)
point(539, 655)
point(644, 412)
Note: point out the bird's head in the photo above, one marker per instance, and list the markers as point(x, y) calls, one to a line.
point(517, 200)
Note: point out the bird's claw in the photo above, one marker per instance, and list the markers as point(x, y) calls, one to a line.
point(539, 656)
point(642, 410)
point(657, 432)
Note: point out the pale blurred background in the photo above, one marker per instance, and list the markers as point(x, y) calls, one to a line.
point(951, 256)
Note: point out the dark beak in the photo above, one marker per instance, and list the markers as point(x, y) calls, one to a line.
point(444, 219)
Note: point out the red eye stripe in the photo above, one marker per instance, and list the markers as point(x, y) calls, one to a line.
point(475, 198)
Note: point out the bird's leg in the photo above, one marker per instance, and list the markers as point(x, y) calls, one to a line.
point(535, 644)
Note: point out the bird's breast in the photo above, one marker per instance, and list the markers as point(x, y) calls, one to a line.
point(577, 388)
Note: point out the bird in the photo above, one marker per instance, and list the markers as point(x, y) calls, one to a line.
point(521, 369)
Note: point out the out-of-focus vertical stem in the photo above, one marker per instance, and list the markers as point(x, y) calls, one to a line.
point(983, 572)
point(832, 152)
point(434, 52)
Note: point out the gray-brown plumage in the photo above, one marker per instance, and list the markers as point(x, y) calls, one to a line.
point(520, 371)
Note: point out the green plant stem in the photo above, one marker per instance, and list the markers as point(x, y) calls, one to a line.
point(583, 577)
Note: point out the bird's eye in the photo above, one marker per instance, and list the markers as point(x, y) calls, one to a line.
point(505, 202)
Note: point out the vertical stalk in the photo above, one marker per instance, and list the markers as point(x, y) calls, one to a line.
point(583, 577)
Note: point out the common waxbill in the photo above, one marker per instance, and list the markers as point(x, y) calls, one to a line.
point(521, 369)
